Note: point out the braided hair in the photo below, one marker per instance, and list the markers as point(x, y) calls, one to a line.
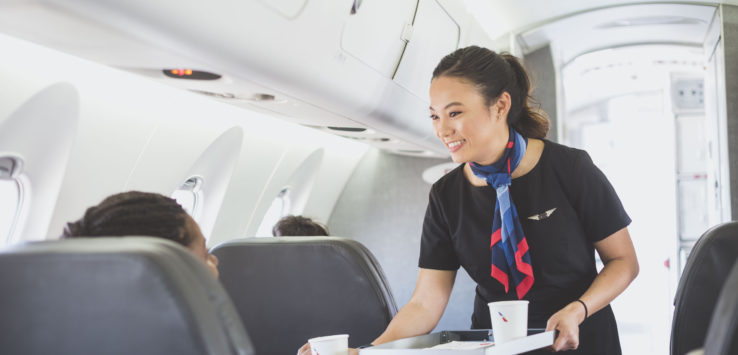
point(133, 213)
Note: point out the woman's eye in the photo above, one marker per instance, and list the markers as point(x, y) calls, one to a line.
point(433, 117)
point(454, 114)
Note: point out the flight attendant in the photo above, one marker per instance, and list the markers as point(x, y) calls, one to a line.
point(522, 215)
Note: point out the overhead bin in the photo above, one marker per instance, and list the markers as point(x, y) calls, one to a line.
point(287, 8)
point(434, 34)
point(311, 54)
point(374, 34)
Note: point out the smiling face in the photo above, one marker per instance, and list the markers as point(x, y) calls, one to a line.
point(471, 129)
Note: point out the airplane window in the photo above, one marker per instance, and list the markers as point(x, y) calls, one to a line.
point(190, 196)
point(9, 208)
point(11, 198)
point(279, 208)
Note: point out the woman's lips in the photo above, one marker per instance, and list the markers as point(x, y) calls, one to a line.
point(455, 145)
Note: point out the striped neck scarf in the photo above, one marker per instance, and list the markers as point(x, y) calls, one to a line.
point(510, 256)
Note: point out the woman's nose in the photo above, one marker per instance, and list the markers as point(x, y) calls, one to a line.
point(442, 128)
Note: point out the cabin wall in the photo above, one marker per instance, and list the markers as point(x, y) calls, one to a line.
point(730, 44)
point(382, 206)
point(135, 134)
point(540, 66)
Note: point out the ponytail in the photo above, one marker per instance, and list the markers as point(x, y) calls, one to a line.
point(530, 122)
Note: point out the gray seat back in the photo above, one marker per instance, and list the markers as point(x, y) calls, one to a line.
point(722, 335)
point(290, 289)
point(134, 295)
point(704, 274)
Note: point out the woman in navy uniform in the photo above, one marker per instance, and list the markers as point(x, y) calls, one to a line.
point(522, 215)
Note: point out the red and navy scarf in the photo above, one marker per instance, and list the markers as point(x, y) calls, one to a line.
point(510, 256)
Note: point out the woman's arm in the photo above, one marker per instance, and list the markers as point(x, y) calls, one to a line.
point(426, 306)
point(621, 267)
point(421, 314)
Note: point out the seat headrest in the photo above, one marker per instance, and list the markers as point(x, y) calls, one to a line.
point(703, 277)
point(289, 289)
point(722, 335)
point(133, 295)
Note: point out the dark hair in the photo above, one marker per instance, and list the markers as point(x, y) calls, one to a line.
point(494, 74)
point(133, 213)
point(298, 226)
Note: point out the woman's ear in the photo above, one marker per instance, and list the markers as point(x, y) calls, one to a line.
point(502, 105)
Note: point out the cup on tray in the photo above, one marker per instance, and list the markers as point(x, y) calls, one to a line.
point(329, 345)
point(509, 320)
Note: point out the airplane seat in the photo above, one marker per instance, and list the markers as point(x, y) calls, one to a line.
point(722, 335)
point(290, 289)
point(133, 295)
point(707, 268)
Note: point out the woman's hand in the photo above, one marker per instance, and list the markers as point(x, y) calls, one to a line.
point(305, 350)
point(567, 321)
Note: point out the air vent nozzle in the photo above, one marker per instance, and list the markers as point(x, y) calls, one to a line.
point(347, 129)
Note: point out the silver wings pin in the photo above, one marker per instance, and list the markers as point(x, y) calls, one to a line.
point(544, 215)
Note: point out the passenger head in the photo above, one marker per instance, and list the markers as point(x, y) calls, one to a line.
point(298, 226)
point(136, 213)
point(492, 88)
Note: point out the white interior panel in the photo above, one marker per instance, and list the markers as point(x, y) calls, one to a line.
point(299, 60)
point(435, 34)
point(287, 8)
point(298, 188)
point(374, 34)
point(622, 25)
point(278, 178)
point(693, 210)
point(41, 132)
point(215, 166)
point(138, 134)
point(692, 149)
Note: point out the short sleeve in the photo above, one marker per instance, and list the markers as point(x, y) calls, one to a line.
point(436, 248)
point(599, 209)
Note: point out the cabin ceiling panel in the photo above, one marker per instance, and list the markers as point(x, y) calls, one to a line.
point(84, 37)
point(621, 26)
point(500, 17)
point(290, 50)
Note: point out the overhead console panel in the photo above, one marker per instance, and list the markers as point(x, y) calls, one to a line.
point(365, 63)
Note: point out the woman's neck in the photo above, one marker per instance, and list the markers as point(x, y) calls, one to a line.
point(532, 155)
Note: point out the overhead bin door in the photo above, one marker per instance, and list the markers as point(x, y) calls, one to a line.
point(434, 34)
point(374, 33)
point(287, 8)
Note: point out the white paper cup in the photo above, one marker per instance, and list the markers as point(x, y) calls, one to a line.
point(509, 320)
point(329, 345)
